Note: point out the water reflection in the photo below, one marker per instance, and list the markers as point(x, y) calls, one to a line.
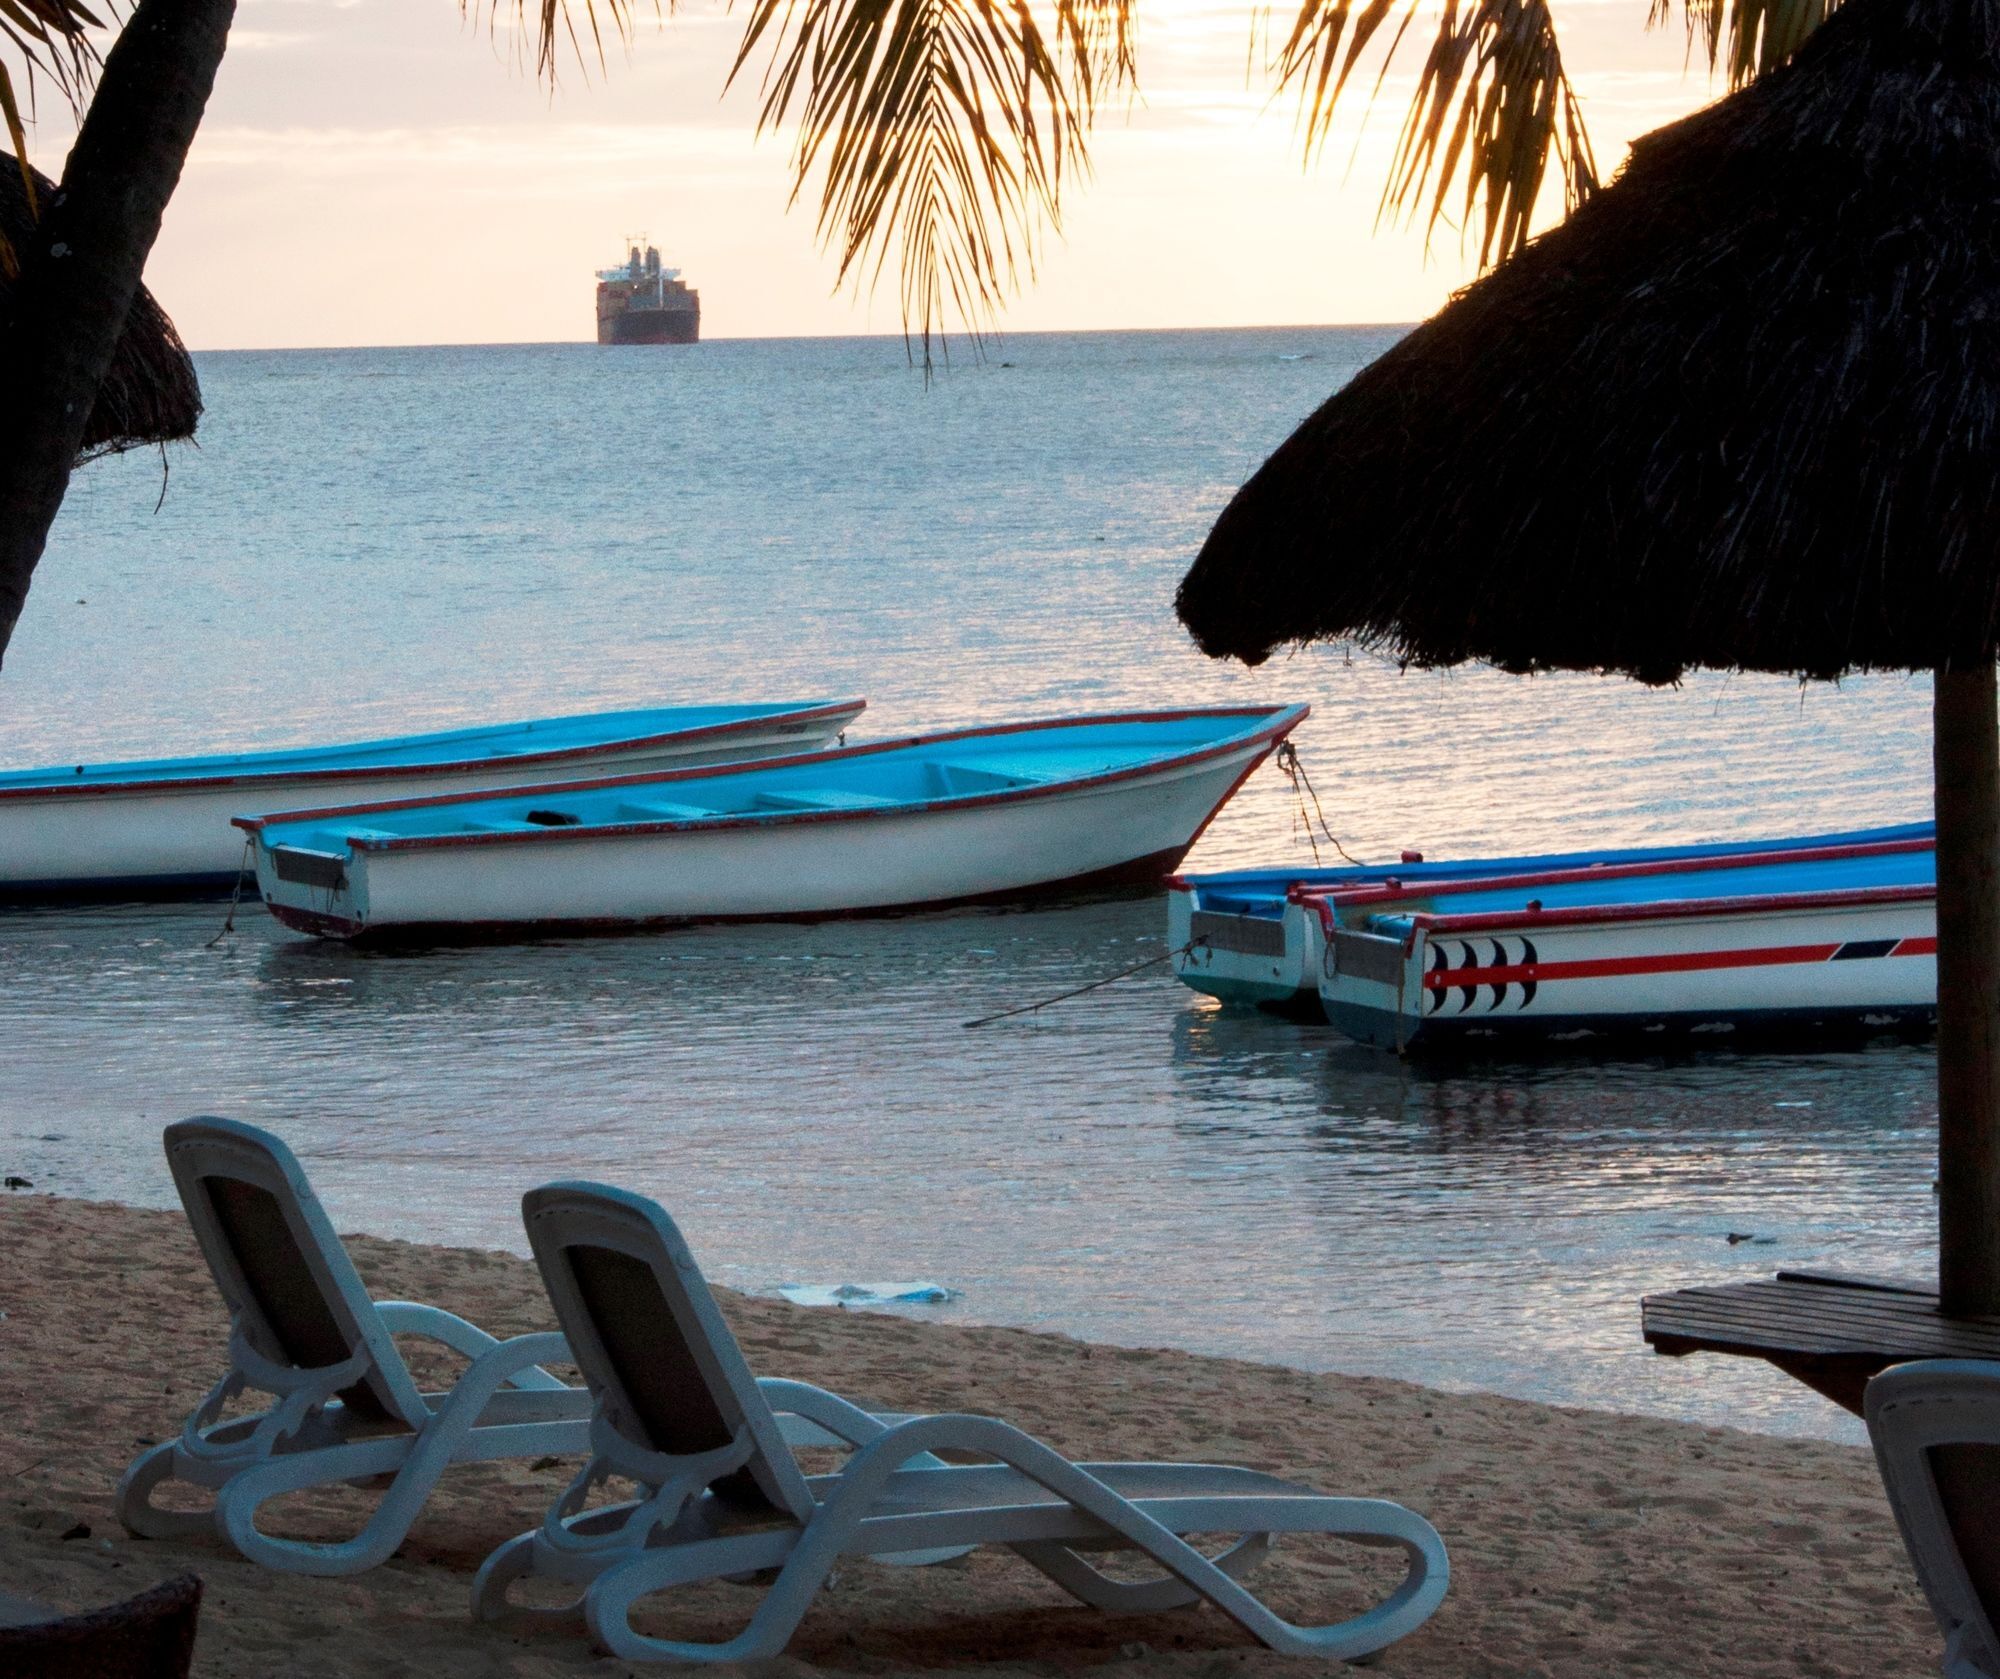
point(1134, 1165)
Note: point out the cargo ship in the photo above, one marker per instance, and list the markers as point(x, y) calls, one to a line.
point(643, 303)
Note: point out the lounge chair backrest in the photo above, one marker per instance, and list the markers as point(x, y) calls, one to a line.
point(650, 1340)
point(283, 1273)
point(1936, 1431)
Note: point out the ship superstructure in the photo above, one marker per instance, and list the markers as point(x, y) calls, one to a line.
point(643, 303)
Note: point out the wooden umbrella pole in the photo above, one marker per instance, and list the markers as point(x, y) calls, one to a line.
point(1966, 761)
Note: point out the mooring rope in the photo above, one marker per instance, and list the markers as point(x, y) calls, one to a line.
point(1294, 768)
point(235, 897)
point(1187, 949)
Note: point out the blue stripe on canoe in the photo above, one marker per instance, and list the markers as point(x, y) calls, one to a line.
point(1752, 880)
point(1262, 892)
point(494, 740)
point(909, 776)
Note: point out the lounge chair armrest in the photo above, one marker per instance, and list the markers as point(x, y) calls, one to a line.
point(811, 1416)
point(845, 1421)
point(413, 1317)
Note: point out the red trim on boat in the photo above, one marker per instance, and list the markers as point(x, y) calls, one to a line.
point(1396, 892)
point(1584, 915)
point(460, 766)
point(1284, 719)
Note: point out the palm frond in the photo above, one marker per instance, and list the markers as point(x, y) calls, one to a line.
point(44, 38)
point(937, 130)
point(1750, 36)
point(551, 23)
point(1493, 109)
point(1100, 47)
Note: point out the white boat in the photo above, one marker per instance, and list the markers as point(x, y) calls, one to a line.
point(1252, 936)
point(160, 827)
point(976, 814)
point(1842, 938)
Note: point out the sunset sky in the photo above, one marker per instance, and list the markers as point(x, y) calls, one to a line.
point(379, 172)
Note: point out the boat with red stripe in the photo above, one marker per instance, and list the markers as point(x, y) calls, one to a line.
point(1835, 938)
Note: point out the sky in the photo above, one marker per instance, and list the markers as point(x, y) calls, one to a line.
point(383, 172)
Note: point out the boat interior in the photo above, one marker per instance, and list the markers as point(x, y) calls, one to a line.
point(837, 783)
point(497, 740)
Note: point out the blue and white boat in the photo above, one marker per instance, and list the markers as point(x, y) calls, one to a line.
point(160, 827)
point(975, 814)
point(1250, 936)
point(1828, 938)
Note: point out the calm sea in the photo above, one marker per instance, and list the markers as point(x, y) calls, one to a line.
point(381, 540)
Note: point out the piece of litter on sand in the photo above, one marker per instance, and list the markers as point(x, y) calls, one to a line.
point(866, 1294)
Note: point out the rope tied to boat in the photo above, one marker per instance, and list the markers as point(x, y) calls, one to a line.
point(1188, 949)
point(235, 897)
point(1288, 760)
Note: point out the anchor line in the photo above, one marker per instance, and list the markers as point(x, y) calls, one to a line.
point(235, 898)
point(1289, 761)
point(1187, 949)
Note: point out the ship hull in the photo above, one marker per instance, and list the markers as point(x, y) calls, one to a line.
point(651, 326)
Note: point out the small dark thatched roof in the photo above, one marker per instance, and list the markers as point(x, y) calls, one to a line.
point(1742, 410)
point(150, 395)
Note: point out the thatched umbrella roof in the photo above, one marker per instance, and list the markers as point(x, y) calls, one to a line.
point(1741, 410)
point(150, 395)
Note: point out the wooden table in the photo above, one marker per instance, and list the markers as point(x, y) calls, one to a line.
point(1830, 1332)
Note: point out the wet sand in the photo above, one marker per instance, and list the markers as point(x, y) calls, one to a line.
point(1582, 1543)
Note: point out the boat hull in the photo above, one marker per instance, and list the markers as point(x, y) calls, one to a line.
point(1248, 940)
point(1130, 827)
point(1641, 972)
point(165, 839)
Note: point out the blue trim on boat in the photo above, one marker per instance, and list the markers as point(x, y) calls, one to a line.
point(961, 769)
point(1262, 892)
point(1752, 880)
point(480, 746)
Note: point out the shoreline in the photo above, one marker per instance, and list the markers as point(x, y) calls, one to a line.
point(1582, 1542)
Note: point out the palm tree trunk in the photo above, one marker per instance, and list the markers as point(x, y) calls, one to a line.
point(1966, 744)
point(83, 268)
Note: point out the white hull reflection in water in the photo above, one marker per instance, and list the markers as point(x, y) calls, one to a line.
point(1102, 1168)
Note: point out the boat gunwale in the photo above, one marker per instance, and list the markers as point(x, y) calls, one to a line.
point(462, 766)
point(1694, 909)
point(1300, 888)
point(1282, 720)
point(1372, 895)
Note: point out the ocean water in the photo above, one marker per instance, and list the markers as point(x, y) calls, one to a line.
point(376, 541)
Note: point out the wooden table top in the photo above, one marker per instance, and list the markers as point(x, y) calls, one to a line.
point(1830, 1332)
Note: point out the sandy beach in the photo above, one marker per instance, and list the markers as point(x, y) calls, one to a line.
point(1582, 1543)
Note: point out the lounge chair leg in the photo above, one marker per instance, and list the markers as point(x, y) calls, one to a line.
point(1091, 1586)
point(133, 1501)
point(514, 1561)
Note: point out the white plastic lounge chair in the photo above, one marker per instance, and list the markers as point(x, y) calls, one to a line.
point(1936, 1429)
point(303, 1329)
point(679, 1414)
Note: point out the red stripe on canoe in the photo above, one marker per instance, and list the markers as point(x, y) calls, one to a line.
point(1680, 962)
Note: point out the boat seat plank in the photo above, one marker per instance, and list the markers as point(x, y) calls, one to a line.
point(828, 799)
point(660, 811)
